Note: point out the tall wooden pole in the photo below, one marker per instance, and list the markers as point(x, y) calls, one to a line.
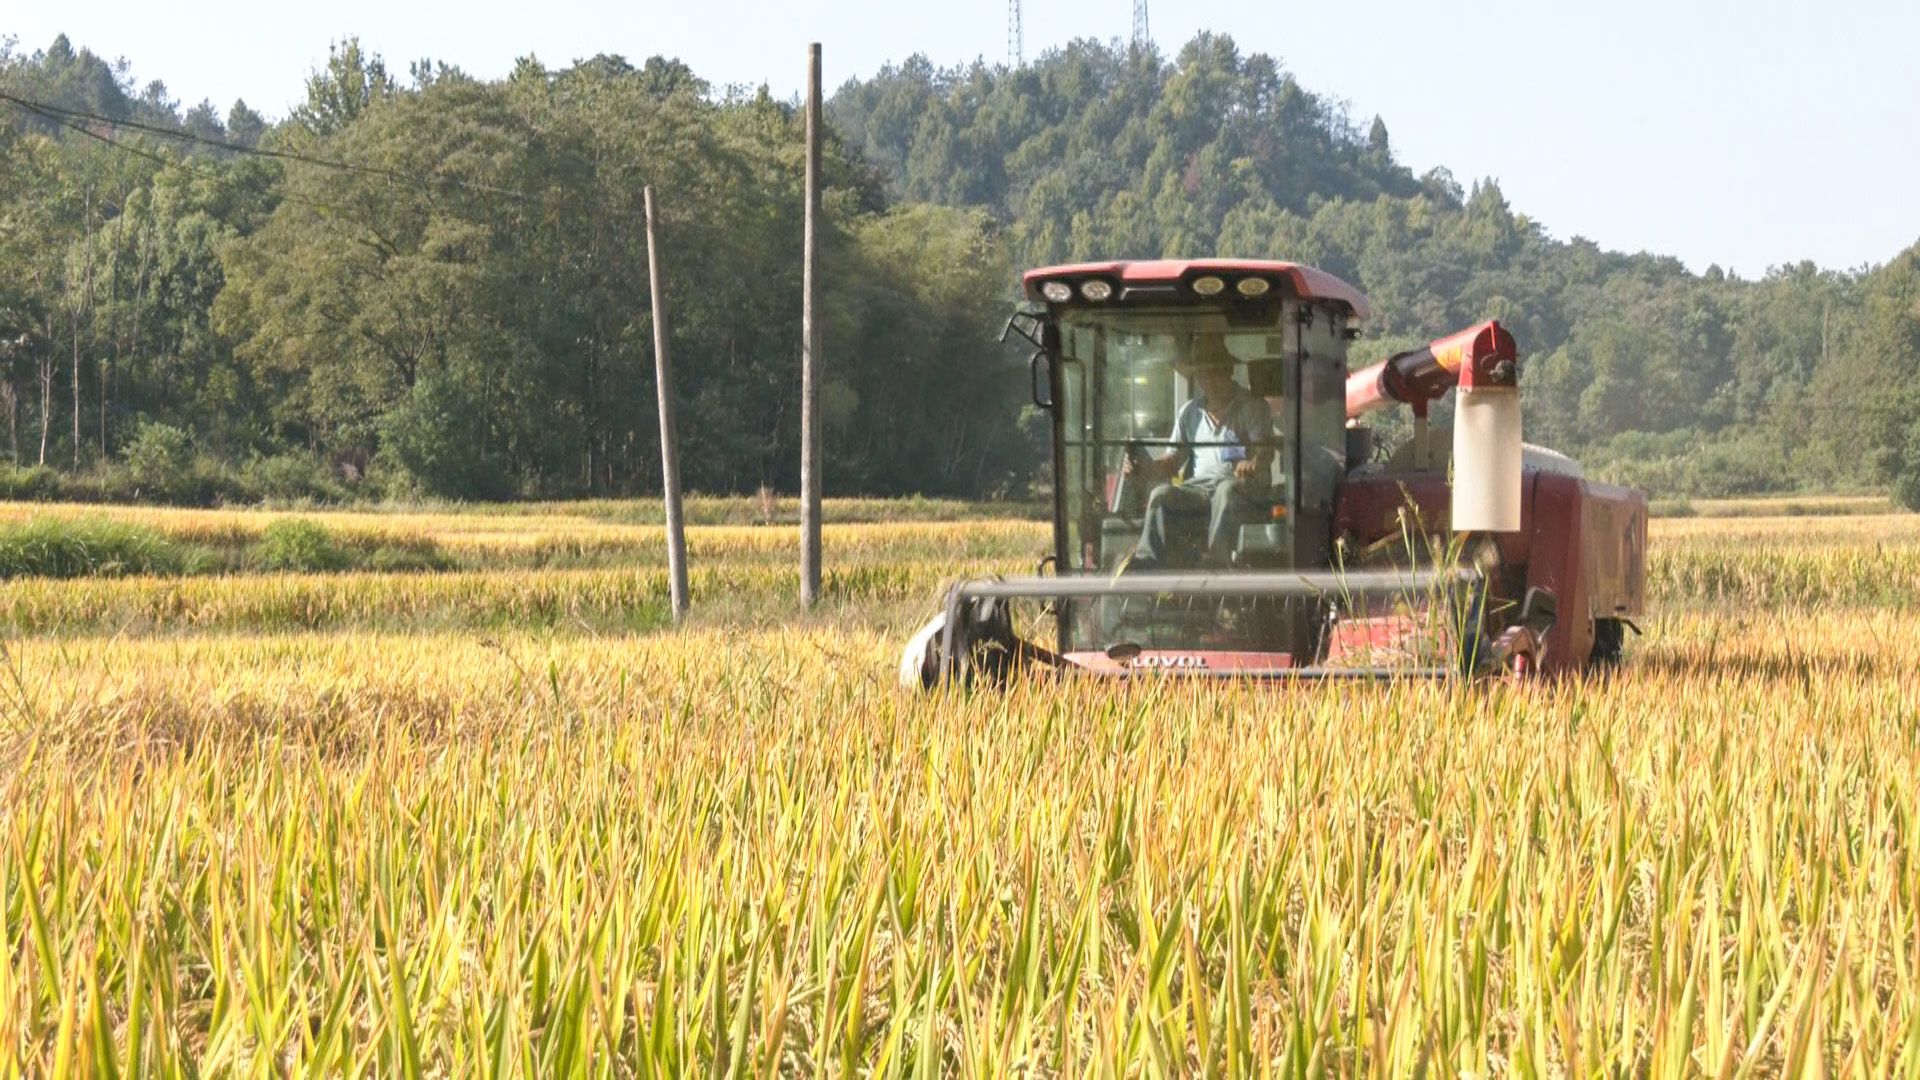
point(810, 350)
point(669, 441)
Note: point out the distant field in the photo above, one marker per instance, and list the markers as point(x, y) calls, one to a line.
point(1780, 506)
point(495, 815)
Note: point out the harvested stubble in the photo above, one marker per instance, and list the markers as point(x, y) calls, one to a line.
point(547, 852)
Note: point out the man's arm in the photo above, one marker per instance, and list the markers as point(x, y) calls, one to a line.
point(1258, 420)
point(1160, 467)
point(1169, 464)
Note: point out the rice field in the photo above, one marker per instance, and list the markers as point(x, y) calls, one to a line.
point(502, 819)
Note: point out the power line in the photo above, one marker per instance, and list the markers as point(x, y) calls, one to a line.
point(159, 159)
point(59, 116)
point(70, 118)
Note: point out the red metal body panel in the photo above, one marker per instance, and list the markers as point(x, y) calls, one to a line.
point(1307, 282)
point(1615, 551)
point(1584, 541)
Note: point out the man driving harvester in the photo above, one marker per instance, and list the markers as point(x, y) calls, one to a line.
point(1219, 464)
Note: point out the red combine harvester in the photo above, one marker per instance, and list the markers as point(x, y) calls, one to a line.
point(1218, 509)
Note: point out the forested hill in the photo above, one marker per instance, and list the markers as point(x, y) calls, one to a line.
point(1682, 383)
point(432, 283)
point(438, 285)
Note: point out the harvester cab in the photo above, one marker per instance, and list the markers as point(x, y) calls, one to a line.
point(1219, 510)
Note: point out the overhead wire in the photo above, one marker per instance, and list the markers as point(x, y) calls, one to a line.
point(160, 159)
point(77, 119)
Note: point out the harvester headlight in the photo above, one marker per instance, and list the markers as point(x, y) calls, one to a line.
point(1096, 290)
point(1251, 287)
point(1209, 285)
point(1058, 292)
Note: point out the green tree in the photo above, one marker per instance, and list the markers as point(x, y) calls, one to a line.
point(352, 83)
point(244, 126)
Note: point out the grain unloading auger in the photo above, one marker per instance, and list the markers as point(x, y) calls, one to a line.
point(1219, 510)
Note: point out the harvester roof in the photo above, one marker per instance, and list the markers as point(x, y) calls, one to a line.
point(1151, 275)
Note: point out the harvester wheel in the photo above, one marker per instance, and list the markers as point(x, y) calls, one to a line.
point(1519, 648)
point(984, 637)
point(1516, 652)
point(920, 661)
point(1609, 643)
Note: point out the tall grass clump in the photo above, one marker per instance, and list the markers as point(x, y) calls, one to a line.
point(30, 483)
point(407, 559)
point(92, 547)
point(296, 545)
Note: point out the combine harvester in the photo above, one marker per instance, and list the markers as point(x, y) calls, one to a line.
point(1218, 510)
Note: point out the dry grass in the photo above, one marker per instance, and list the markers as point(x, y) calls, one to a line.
point(504, 827)
point(1794, 506)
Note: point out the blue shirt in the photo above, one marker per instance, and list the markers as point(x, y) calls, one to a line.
point(1213, 449)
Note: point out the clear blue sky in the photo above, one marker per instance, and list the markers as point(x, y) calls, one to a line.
point(1743, 134)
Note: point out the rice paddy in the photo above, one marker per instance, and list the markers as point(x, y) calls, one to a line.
point(502, 819)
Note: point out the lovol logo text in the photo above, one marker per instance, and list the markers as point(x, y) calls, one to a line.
point(1170, 663)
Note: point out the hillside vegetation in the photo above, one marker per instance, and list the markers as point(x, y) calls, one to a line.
point(438, 284)
point(1688, 384)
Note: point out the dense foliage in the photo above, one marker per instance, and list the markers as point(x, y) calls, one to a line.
point(443, 289)
point(438, 284)
point(1687, 384)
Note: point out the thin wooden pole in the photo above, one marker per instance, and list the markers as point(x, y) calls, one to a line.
point(669, 441)
point(810, 350)
point(91, 325)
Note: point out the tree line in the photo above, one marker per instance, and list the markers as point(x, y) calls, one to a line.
point(436, 284)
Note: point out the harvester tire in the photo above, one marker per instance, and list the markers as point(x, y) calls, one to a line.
point(984, 637)
point(1609, 643)
point(920, 660)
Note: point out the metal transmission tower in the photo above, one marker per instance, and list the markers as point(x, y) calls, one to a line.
point(1140, 36)
point(1016, 52)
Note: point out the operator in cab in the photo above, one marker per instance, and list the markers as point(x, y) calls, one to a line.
point(1219, 467)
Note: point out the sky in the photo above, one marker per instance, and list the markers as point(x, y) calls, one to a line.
point(1743, 135)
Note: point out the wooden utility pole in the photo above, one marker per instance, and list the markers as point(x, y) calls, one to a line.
point(669, 441)
point(810, 350)
point(88, 299)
